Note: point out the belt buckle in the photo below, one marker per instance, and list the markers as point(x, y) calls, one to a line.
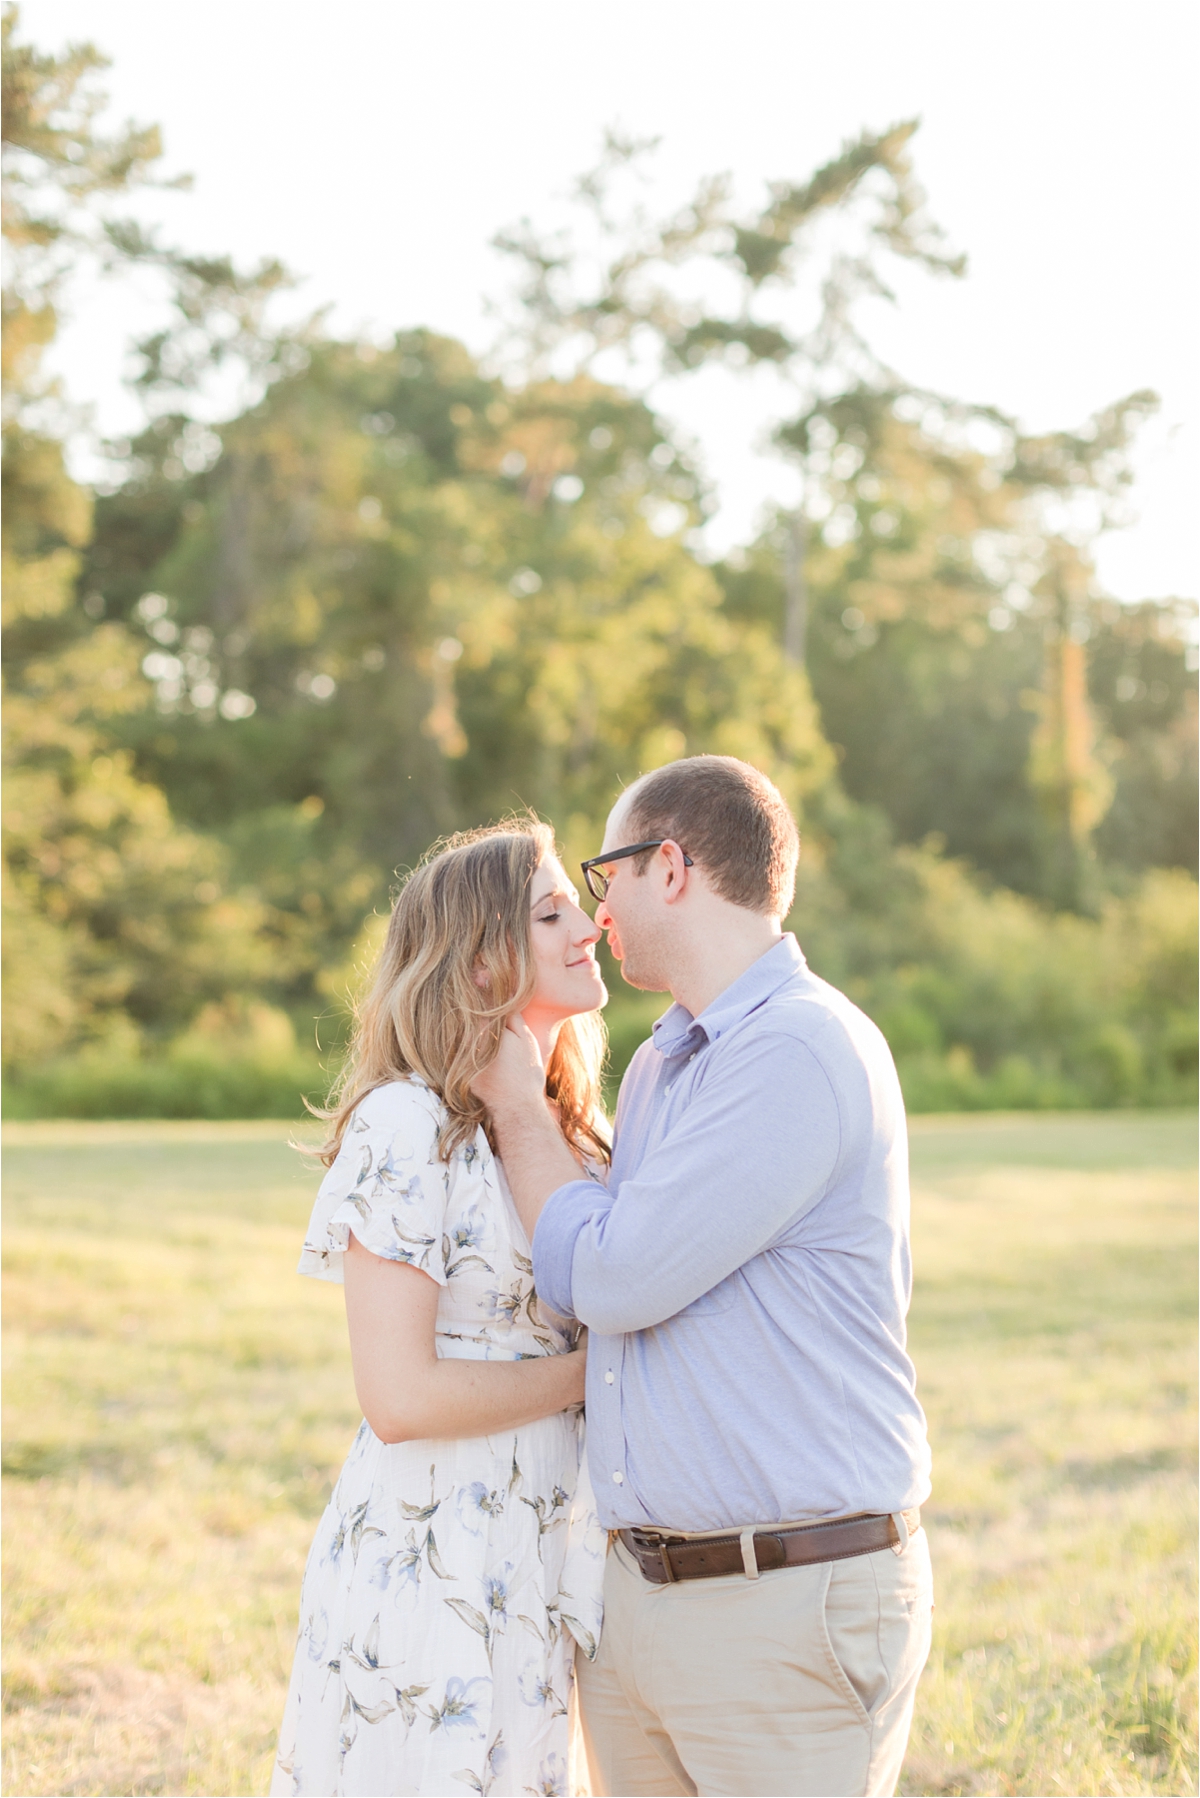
point(652, 1545)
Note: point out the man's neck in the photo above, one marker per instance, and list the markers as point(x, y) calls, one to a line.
point(708, 966)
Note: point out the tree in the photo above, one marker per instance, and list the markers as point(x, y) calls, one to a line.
point(114, 916)
point(935, 595)
point(404, 598)
point(390, 590)
point(1142, 674)
point(941, 511)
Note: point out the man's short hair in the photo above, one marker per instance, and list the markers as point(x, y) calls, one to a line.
point(731, 820)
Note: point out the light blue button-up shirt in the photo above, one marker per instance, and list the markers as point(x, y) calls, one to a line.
point(746, 1273)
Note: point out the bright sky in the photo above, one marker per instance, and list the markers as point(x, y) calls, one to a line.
point(375, 146)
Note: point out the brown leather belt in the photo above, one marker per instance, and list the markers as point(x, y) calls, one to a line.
point(664, 1558)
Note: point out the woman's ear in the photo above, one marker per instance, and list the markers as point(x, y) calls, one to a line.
point(479, 974)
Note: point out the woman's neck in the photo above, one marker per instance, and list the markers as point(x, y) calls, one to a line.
point(544, 1031)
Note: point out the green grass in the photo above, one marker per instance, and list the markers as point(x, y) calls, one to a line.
point(1053, 1329)
point(178, 1403)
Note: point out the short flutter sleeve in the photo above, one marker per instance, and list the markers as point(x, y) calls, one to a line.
point(387, 1185)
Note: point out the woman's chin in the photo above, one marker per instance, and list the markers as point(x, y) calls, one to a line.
point(600, 991)
point(597, 1003)
point(592, 997)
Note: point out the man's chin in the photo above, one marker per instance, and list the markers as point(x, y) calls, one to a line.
point(643, 982)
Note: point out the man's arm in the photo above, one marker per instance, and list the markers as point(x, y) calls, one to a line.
point(757, 1146)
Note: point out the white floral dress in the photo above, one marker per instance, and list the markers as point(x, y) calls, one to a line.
point(449, 1581)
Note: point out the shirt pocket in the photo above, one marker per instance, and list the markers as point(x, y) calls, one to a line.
point(717, 1299)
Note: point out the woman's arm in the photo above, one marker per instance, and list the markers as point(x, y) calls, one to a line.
point(407, 1393)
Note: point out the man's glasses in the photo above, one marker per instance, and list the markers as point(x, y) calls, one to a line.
point(596, 880)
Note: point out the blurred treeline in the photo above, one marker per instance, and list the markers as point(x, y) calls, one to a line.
point(389, 592)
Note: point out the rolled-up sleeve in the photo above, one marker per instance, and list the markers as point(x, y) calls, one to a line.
point(757, 1146)
point(566, 1213)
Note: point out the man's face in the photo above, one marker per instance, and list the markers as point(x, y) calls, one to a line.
point(631, 912)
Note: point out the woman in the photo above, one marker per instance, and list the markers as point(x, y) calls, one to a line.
point(458, 1555)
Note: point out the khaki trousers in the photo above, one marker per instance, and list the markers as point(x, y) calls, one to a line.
point(798, 1683)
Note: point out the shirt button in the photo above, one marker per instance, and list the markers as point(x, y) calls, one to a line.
point(608, 1378)
point(618, 1479)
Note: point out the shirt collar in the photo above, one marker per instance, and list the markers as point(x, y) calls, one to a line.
point(677, 1032)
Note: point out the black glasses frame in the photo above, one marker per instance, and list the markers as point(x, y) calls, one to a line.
point(597, 882)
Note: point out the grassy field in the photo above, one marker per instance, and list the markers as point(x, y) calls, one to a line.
point(178, 1402)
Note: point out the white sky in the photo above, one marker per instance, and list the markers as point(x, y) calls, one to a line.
point(375, 146)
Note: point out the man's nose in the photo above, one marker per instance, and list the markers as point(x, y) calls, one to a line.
point(603, 919)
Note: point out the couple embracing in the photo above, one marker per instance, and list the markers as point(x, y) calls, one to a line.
point(732, 1572)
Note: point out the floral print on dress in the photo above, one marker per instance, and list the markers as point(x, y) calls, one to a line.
point(449, 1583)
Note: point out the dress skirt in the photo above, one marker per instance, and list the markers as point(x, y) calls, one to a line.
point(436, 1619)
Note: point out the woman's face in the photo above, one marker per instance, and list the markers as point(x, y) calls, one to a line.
point(564, 939)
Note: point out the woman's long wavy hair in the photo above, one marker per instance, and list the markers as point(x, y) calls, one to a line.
point(466, 908)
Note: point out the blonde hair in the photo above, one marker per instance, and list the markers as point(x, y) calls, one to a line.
point(465, 909)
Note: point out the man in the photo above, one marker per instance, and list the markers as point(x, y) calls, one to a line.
point(754, 1438)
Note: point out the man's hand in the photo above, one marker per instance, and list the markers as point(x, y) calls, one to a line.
point(514, 1085)
point(533, 1152)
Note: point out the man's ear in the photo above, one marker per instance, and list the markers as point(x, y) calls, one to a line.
point(676, 871)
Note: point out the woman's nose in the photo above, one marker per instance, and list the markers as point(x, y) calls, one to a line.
point(589, 930)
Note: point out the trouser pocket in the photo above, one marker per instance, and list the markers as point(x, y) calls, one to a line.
point(876, 1615)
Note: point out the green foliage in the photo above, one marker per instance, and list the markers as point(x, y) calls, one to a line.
point(50, 108)
point(395, 594)
point(92, 852)
point(935, 509)
point(116, 919)
point(442, 599)
point(937, 623)
point(236, 1060)
point(1143, 690)
point(644, 285)
point(990, 1001)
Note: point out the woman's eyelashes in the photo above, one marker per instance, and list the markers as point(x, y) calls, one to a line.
point(550, 917)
